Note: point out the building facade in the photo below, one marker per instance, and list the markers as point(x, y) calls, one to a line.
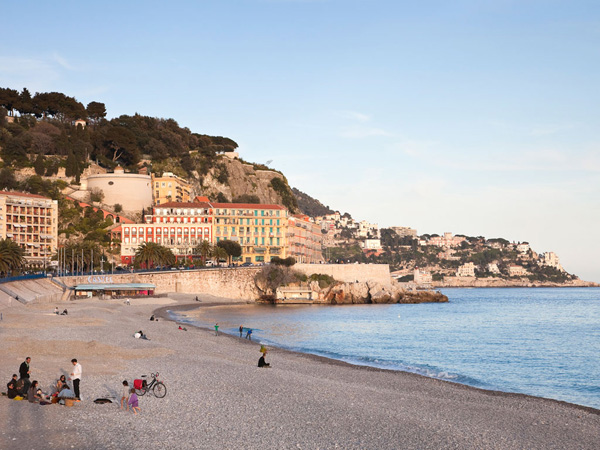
point(404, 231)
point(170, 188)
point(259, 229)
point(178, 226)
point(32, 222)
point(304, 239)
point(466, 270)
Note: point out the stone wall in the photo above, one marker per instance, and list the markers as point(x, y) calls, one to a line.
point(236, 284)
point(350, 273)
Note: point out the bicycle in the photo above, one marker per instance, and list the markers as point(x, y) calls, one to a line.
point(158, 387)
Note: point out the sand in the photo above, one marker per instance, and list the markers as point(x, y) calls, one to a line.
point(218, 398)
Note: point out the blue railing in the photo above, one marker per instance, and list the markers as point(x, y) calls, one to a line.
point(32, 276)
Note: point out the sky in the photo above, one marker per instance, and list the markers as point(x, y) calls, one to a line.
point(475, 117)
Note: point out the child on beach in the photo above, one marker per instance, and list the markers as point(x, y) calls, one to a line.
point(125, 395)
point(133, 402)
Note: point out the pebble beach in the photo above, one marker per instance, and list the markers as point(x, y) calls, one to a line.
point(217, 397)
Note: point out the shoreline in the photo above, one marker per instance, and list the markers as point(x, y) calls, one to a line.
point(218, 397)
point(163, 313)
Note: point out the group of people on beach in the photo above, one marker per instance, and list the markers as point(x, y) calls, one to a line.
point(21, 387)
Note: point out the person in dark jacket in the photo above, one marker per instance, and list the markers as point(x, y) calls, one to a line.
point(11, 387)
point(24, 373)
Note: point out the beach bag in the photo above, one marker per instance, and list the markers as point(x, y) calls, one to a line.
point(139, 384)
point(69, 402)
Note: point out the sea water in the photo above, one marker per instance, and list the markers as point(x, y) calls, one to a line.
point(538, 341)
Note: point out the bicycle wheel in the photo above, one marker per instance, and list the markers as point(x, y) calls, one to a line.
point(160, 390)
point(142, 390)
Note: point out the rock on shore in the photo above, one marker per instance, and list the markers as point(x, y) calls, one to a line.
point(374, 292)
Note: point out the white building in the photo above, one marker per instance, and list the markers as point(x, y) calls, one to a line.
point(371, 244)
point(422, 276)
point(551, 259)
point(493, 268)
point(466, 270)
point(517, 271)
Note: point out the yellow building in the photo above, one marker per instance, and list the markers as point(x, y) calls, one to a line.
point(170, 188)
point(31, 221)
point(305, 239)
point(259, 229)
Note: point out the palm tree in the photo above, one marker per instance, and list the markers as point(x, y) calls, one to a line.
point(11, 256)
point(204, 249)
point(152, 253)
point(219, 253)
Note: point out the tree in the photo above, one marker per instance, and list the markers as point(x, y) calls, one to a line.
point(9, 98)
point(219, 253)
point(151, 254)
point(96, 111)
point(118, 207)
point(38, 165)
point(8, 181)
point(11, 256)
point(233, 249)
point(204, 249)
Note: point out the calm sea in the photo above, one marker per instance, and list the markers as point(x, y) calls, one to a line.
point(543, 342)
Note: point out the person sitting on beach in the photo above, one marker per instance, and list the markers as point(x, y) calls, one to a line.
point(140, 335)
point(65, 392)
point(34, 394)
point(60, 383)
point(125, 395)
point(11, 387)
point(152, 317)
point(133, 402)
point(64, 313)
point(262, 362)
point(56, 311)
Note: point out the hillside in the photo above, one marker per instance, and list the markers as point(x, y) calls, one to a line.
point(49, 136)
point(309, 205)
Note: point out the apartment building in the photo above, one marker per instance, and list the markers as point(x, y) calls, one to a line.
point(32, 222)
point(175, 225)
point(305, 239)
point(170, 188)
point(260, 229)
point(466, 270)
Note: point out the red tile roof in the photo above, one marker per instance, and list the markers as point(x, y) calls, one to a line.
point(245, 206)
point(184, 205)
point(23, 194)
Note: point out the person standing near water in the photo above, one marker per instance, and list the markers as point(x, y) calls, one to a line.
point(249, 334)
point(241, 330)
point(216, 329)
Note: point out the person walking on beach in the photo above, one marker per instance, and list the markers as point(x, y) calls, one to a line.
point(216, 329)
point(249, 334)
point(241, 330)
point(133, 402)
point(125, 395)
point(76, 377)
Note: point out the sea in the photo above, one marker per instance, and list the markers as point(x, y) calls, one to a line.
point(538, 341)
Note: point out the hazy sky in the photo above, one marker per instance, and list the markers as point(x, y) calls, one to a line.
point(475, 117)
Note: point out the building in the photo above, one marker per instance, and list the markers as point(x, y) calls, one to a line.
point(422, 277)
point(517, 271)
point(404, 231)
point(447, 240)
point(114, 186)
point(371, 244)
point(493, 268)
point(178, 226)
point(551, 259)
point(304, 239)
point(523, 247)
point(466, 270)
point(32, 222)
point(367, 230)
point(170, 188)
point(260, 229)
